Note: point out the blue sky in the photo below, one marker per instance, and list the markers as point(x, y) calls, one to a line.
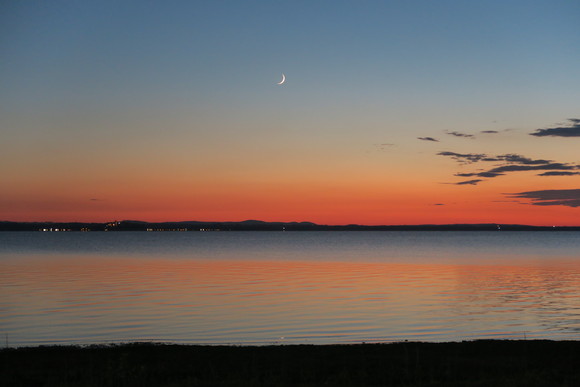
point(450, 49)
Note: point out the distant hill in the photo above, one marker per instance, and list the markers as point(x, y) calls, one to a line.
point(258, 225)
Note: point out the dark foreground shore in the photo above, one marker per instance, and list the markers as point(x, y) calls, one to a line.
point(475, 363)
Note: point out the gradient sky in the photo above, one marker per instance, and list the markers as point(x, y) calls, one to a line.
point(170, 110)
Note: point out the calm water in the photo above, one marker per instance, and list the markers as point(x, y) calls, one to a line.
point(287, 287)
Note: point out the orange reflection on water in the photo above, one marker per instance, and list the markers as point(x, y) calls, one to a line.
point(179, 299)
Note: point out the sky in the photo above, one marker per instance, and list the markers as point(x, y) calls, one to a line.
point(392, 112)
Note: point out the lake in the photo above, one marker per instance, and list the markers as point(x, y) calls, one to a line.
point(287, 287)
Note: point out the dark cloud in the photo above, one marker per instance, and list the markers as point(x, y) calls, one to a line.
point(427, 139)
point(480, 174)
point(514, 158)
point(572, 130)
point(489, 131)
point(438, 204)
point(458, 134)
point(551, 197)
point(569, 203)
point(466, 158)
point(468, 182)
point(510, 158)
point(511, 163)
point(490, 174)
point(558, 173)
point(544, 167)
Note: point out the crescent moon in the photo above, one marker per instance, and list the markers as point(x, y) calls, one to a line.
point(283, 80)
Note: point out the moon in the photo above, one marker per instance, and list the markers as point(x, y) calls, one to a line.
point(283, 80)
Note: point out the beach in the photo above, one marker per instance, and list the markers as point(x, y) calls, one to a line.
point(468, 363)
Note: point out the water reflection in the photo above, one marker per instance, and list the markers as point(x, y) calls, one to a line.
point(122, 298)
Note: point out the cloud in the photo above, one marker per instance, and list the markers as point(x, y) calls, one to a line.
point(468, 182)
point(544, 167)
point(515, 158)
point(427, 139)
point(489, 131)
point(438, 204)
point(458, 134)
point(475, 157)
point(511, 163)
point(558, 173)
point(480, 174)
point(572, 130)
point(466, 158)
point(551, 197)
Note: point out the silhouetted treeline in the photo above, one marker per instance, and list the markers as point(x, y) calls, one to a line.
point(256, 225)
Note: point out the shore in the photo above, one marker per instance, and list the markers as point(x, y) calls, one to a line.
point(470, 363)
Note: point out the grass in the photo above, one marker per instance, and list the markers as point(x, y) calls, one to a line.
point(473, 363)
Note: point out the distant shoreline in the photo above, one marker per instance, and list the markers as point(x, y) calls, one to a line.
point(470, 363)
point(256, 225)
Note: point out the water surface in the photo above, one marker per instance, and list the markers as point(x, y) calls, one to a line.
point(288, 287)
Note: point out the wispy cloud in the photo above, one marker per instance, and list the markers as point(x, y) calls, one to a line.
point(559, 173)
point(511, 163)
point(515, 158)
point(480, 174)
point(427, 139)
point(571, 130)
point(468, 182)
point(459, 134)
point(551, 197)
point(543, 167)
point(465, 158)
point(489, 131)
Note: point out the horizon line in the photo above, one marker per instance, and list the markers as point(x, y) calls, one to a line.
point(288, 222)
